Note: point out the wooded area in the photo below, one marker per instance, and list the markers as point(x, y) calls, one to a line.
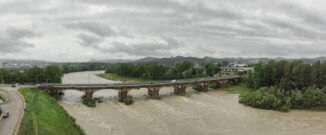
point(284, 85)
point(160, 72)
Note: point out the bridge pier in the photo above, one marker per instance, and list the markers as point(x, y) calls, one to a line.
point(222, 83)
point(153, 92)
point(89, 94)
point(180, 89)
point(56, 93)
point(202, 86)
point(123, 93)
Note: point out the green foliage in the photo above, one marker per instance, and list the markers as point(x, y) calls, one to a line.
point(90, 102)
point(287, 75)
point(44, 116)
point(129, 100)
point(51, 74)
point(159, 72)
point(211, 69)
point(3, 98)
point(68, 68)
point(278, 99)
point(238, 89)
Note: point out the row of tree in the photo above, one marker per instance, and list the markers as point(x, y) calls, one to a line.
point(51, 74)
point(288, 75)
point(68, 68)
point(279, 99)
point(160, 72)
point(284, 85)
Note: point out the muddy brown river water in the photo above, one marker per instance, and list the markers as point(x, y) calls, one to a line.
point(211, 113)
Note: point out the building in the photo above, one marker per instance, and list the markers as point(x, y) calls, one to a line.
point(236, 68)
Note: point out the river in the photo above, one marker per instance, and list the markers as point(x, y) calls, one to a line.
point(211, 113)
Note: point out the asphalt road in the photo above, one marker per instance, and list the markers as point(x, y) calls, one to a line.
point(14, 106)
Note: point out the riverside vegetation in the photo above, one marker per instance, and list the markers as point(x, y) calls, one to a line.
point(44, 116)
point(145, 72)
point(148, 72)
point(286, 85)
point(51, 74)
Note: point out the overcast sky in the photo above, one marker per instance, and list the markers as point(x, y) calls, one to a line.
point(80, 30)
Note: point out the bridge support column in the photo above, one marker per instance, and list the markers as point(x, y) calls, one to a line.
point(225, 83)
point(222, 83)
point(180, 89)
point(122, 94)
point(55, 93)
point(202, 86)
point(153, 92)
point(89, 94)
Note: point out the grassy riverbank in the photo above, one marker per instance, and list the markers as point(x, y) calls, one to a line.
point(44, 116)
point(116, 77)
point(237, 89)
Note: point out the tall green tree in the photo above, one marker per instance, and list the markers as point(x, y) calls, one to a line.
point(53, 74)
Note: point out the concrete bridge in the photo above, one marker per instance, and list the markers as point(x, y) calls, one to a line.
point(201, 84)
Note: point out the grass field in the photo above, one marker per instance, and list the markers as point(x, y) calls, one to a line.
point(116, 77)
point(3, 90)
point(44, 116)
point(237, 89)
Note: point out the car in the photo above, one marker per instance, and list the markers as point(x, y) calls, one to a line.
point(6, 115)
point(173, 81)
point(150, 82)
point(14, 85)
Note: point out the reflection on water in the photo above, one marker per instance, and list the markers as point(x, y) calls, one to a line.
point(211, 113)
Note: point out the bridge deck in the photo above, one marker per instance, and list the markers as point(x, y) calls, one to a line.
point(138, 84)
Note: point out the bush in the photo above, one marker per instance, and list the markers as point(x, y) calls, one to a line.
point(89, 102)
point(278, 99)
point(3, 98)
point(129, 100)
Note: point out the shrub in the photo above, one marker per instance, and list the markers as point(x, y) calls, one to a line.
point(3, 98)
point(128, 100)
point(278, 99)
point(89, 102)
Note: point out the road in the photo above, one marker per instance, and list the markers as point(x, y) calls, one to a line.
point(137, 84)
point(14, 106)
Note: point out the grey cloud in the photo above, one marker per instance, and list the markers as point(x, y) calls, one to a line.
point(20, 33)
point(89, 41)
point(211, 27)
point(138, 49)
point(12, 40)
point(145, 49)
point(93, 27)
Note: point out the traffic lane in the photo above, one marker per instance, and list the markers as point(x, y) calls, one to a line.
point(15, 107)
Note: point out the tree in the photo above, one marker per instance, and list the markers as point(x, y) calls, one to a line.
point(53, 74)
point(211, 69)
point(35, 75)
point(5, 76)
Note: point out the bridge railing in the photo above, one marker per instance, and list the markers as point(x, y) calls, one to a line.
point(140, 84)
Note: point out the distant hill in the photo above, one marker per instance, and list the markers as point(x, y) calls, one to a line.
point(166, 60)
point(27, 61)
point(109, 61)
point(195, 60)
point(173, 60)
